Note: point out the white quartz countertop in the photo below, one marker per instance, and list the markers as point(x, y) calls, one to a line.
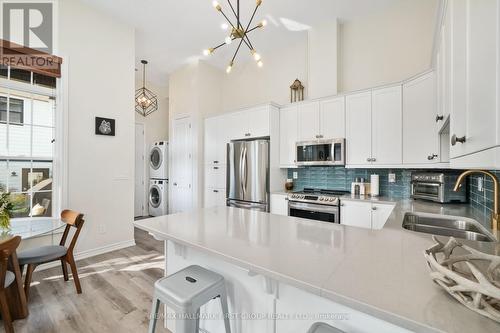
point(380, 272)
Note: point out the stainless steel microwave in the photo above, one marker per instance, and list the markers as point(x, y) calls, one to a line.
point(320, 152)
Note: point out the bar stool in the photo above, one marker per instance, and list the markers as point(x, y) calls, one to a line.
point(185, 292)
point(323, 328)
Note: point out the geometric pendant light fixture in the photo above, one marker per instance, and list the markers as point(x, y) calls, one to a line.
point(145, 100)
point(238, 31)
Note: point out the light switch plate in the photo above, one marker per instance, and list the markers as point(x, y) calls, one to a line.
point(392, 178)
point(295, 175)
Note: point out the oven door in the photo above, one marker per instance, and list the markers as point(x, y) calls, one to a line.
point(427, 191)
point(321, 152)
point(314, 212)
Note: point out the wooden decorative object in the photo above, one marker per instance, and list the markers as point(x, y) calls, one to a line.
point(296, 91)
point(471, 277)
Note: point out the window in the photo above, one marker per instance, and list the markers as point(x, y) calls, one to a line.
point(27, 132)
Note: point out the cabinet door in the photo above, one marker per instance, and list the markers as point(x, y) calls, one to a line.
point(387, 141)
point(358, 128)
point(279, 204)
point(308, 121)
point(236, 125)
point(332, 118)
point(288, 136)
point(210, 140)
point(459, 90)
point(210, 198)
point(257, 122)
point(420, 140)
point(222, 140)
point(448, 60)
point(356, 214)
point(220, 197)
point(482, 71)
point(380, 215)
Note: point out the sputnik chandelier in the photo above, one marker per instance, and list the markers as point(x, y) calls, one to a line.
point(238, 31)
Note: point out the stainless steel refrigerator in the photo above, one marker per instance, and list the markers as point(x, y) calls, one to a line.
point(248, 174)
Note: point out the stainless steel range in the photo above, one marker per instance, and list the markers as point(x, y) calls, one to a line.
point(315, 204)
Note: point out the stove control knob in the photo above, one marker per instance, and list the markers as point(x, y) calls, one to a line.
point(321, 199)
point(331, 199)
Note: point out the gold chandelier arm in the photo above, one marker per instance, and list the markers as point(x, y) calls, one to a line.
point(232, 8)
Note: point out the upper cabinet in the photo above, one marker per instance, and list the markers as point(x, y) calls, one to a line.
point(386, 126)
point(359, 128)
point(248, 124)
point(215, 140)
point(321, 120)
point(288, 136)
point(373, 127)
point(469, 74)
point(420, 139)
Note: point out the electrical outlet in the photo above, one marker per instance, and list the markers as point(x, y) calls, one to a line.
point(480, 184)
point(392, 178)
point(295, 175)
point(101, 228)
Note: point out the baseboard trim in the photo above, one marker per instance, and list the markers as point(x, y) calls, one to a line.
point(91, 253)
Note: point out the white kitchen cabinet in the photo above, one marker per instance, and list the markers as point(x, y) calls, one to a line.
point(387, 115)
point(279, 204)
point(308, 121)
point(359, 128)
point(356, 214)
point(215, 140)
point(288, 136)
point(248, 124)
point(215, 176)
point(215, 197)
point(420, 139)
point(364, 214)
point(380, 215)
point(332, 118)
point(321, 120)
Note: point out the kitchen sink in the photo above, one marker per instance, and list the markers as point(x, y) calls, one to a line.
point(442, 225)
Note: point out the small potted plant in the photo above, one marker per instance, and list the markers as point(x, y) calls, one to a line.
point(6, 208)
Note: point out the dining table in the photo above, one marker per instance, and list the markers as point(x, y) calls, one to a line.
point(27, 228)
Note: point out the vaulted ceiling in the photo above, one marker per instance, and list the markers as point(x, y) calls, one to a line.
point(170, 33)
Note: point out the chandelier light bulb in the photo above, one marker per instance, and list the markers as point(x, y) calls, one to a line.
point(216, 5)
point(260, 63)
point(256, 56)
point(224, 26)
point(262, 24)
point(208, 51)
point(229, 67)
point(228, 40)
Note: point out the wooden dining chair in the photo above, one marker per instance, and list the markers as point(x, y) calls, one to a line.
point(8, 260)
point(44, 254)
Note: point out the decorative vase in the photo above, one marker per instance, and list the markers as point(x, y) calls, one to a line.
point(4, 221)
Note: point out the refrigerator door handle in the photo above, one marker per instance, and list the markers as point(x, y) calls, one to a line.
point(245, 173)
point(248, 205)
point(241, 172)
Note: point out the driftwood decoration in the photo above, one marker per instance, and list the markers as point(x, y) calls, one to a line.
point(296, 91)
point(472, 278)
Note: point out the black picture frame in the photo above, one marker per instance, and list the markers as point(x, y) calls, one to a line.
point(107, 128)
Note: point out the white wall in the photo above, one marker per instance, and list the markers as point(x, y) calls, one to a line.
point(155, 127)
point(387, 46)
point(195, 91)
point(248, 85)
point(99, 54)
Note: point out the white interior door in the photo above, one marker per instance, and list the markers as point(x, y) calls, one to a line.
point(140, 181)
point(181, 198)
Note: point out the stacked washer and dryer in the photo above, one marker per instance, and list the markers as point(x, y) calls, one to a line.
point(158, 179)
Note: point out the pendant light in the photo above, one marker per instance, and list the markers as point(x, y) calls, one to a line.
point(145, 100)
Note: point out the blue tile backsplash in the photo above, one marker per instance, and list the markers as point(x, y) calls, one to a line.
point(340, 178)
point(482, 200)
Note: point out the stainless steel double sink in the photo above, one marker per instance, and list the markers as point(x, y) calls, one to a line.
point(443, 225)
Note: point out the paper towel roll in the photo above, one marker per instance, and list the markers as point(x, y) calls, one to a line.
point(374, 180)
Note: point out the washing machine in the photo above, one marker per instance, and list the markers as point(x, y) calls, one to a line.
point(158, 197)
point(158, 160)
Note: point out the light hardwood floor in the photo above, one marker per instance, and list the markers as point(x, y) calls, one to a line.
point(117, 292)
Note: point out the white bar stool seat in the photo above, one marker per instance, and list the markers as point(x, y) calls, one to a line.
point(185, 292)
point(323, 328)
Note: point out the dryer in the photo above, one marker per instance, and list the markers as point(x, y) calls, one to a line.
point(158, 197)
point(158, 160)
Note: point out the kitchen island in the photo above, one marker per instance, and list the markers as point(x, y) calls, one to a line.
point(290, 272)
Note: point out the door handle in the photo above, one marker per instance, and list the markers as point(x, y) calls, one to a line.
point(454, 139)
point(175, 184)
point(439, 118)
point(432, 156)
point(245, 168)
